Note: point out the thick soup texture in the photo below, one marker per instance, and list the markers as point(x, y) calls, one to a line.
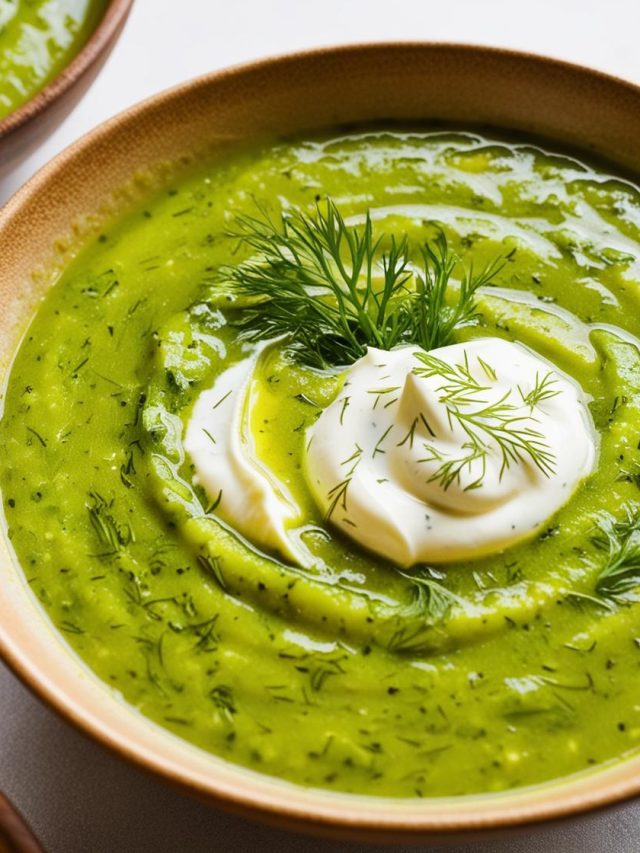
point(38, 38)
point(345, 673)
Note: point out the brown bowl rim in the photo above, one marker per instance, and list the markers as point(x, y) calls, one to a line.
point(114, 16)
point(322, 819)
point(14, 829)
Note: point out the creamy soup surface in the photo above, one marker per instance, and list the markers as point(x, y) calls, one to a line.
point(217, 580)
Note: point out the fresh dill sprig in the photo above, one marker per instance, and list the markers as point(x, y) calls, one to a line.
point(620, 540)
point(431, 599)
point(504, 423)
point(223, 699)
point(112, 535)
point(338, 494)
point(437, 319)
point(630, 474)
point(333, 290)
point(541, 391)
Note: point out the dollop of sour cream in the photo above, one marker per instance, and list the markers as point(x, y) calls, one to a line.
point(243, 491)
point(400, 461)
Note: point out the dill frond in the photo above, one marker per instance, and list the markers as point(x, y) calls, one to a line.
point(620, 540)
point(504, 423)
point(111, 535)
point(541, 391)
point(431, 599)
point(333, 290)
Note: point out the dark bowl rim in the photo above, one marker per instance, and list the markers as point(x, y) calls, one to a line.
point(15, 830)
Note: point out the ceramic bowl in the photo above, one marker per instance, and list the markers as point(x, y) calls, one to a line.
point(39, 227)
point(27, 127)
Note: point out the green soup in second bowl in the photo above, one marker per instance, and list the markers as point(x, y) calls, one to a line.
point(38, 39)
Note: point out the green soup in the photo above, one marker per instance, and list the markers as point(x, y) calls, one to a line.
point(337, 676)
point(38, 38)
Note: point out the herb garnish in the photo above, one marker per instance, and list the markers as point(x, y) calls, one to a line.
point(112, 535)
point(506, 422)
point(338, 494)
point(223, 699)
point(333, 290)
point(621, 542)
point(431, 598)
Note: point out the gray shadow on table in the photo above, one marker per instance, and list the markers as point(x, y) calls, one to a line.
point(80, 799)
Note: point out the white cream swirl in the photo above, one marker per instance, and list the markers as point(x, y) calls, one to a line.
point(243, 491)
point(422, 464)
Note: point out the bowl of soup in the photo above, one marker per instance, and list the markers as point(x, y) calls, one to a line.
point(50, 53)
point(320, 439)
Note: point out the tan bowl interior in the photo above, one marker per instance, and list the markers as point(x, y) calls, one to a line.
point(38, 229)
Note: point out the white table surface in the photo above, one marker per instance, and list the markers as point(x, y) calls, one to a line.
point(78, 798)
